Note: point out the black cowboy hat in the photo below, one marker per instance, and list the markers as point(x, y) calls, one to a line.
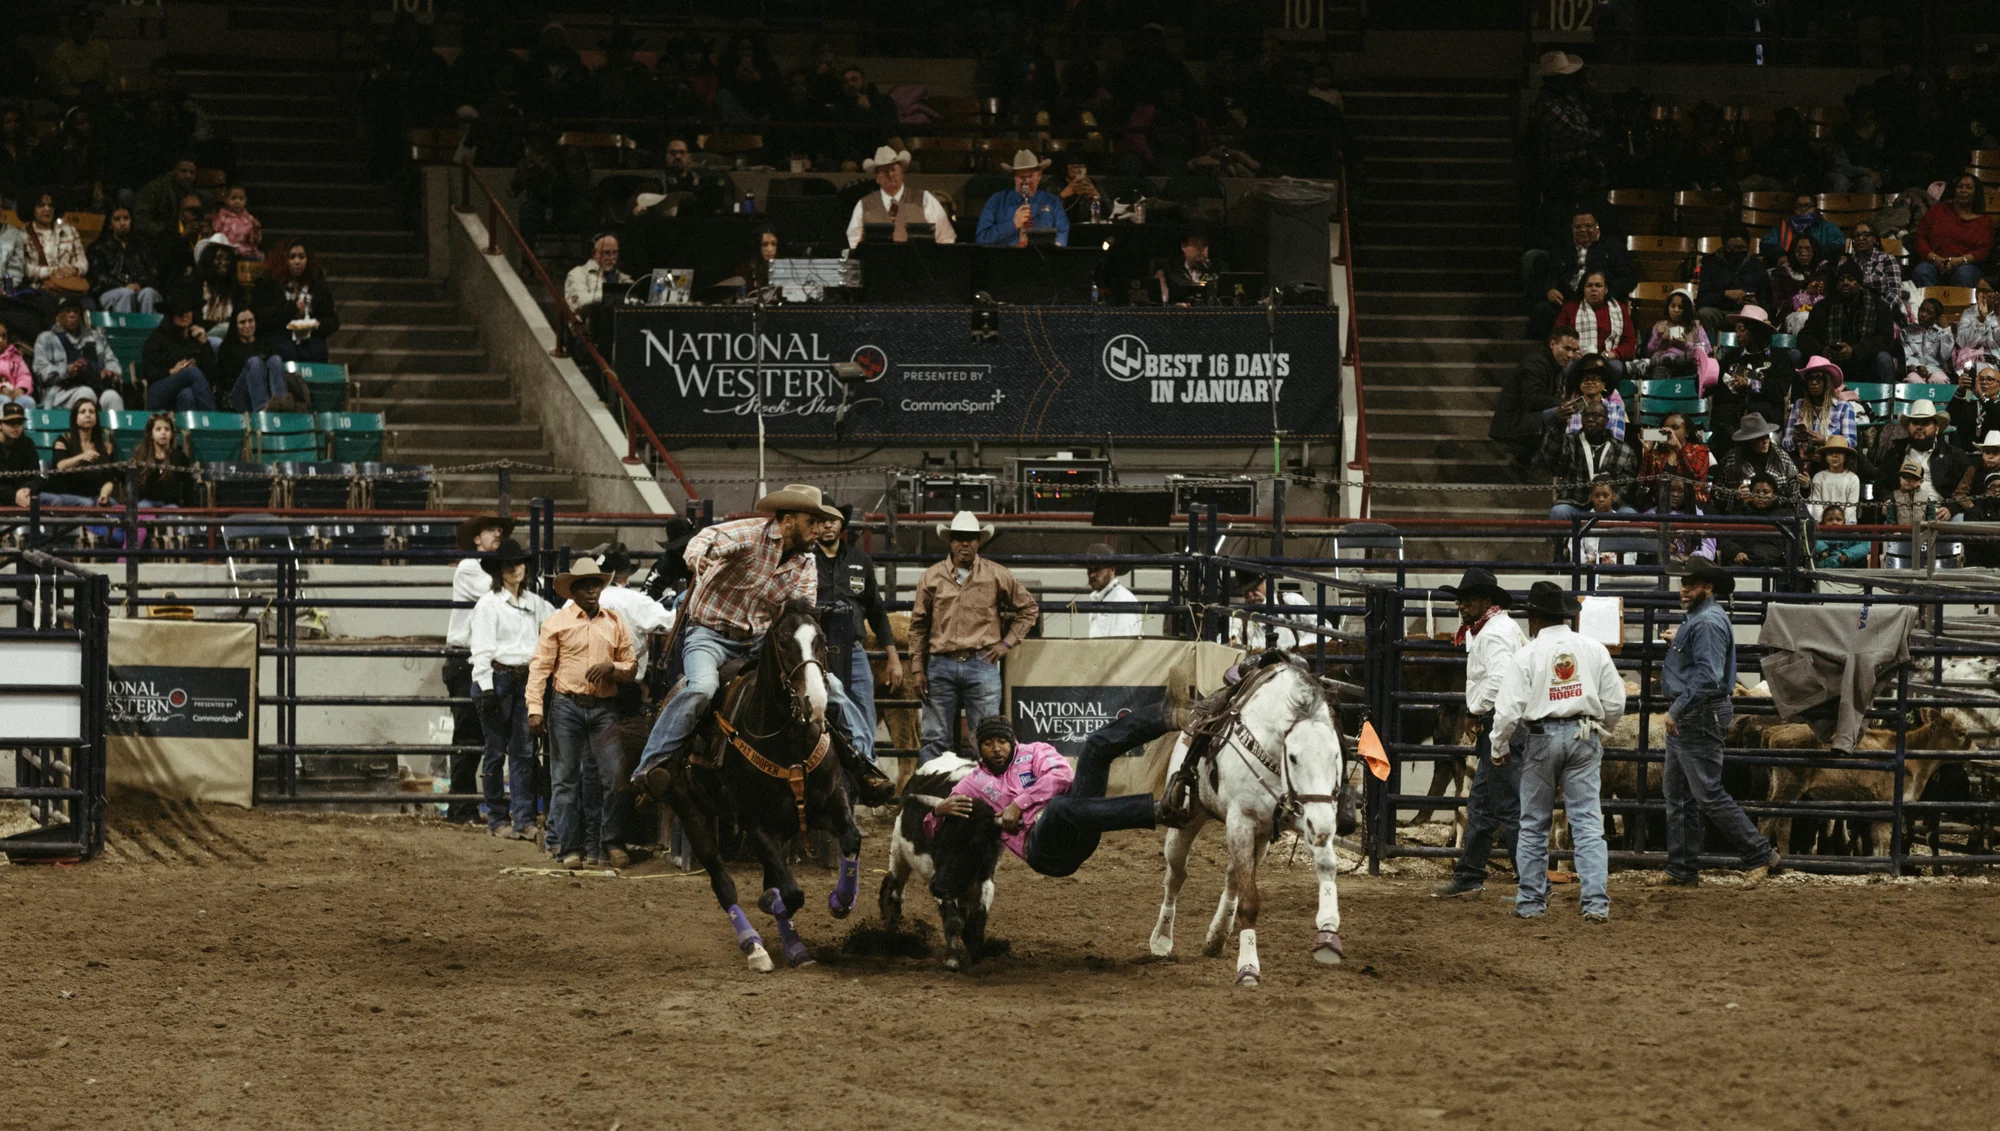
point(612, 556)
point(1245, 581)
point(1547, 601)
point(1702, 569)
point(509, 553)
point(470, 528)
point(1479, 582)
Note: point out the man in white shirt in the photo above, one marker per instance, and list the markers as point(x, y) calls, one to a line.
point(504, 628)
point(480, 534)
point(1248, 633)
point(1563, 689)
point(1493, 804)
point(891, 204)
point(594, 287)
point(1106, 588)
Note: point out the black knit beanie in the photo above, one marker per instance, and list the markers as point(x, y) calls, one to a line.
point(995, 726)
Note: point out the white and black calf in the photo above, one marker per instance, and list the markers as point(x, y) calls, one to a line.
point(957, 864)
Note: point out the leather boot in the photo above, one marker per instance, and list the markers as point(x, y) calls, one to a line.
point(871, 785)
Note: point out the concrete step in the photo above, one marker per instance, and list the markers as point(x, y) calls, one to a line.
point(1449, 325)
point(1469, 464)
point(324, 171)
point(1437, 234)
point(385, 336)
point(355, 313)
point(400, 359)
point(1498, 209)
point(363, 288)
point(1457, 424)
point(1371, 303)
point(324, 240)
point(1442, 350)
point(426, 452)
point(487, 440)
point(525, 484)
point(1416, 144)
point(223, 97)
point(1462, 256)
point(1421, 444)
point(409, 413)
point(259, 125)
point(269, 192)
point(406, 264)
point(426, 386)
point(1415, 400)
point(1407, 103)
point(1440, 165)
point(1434, 125)
point(571, 501)
point(1417, 276)
point(370, 217)
point(1416, 194)
point(1429, 374)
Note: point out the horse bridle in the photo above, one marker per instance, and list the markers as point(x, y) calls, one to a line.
point(800, 714)
point(1291, 803)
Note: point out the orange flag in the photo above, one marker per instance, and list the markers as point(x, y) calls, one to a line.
point(1372, 753)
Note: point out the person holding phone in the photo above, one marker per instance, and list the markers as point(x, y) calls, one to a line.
point(1670, 451)
point(1009, 216)
point(1081, 200)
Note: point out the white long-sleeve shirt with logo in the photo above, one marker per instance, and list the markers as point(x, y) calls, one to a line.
point(1559, 675)
point(1487, 655)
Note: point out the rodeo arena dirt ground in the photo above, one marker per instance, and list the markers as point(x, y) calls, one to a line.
point(228, 968)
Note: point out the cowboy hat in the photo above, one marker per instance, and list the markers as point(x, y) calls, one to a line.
point(1752, 427)
point(1547, 600)
point(509, 553)
point(1818, 364)
point(886, 156)
point(1840, 444)
point(1751, 313)
point(470, 528)
point(1702, 569)
point(583, 569)
point(1479, 582)
point(1557, 63)
point(1992, 440)
point(965, 524)
point(612, 556)
point(796, 497)
point(1922, 410)
point(1025, 160)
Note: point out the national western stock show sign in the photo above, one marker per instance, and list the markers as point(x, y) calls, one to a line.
point(1054, 374)
point(181, 715)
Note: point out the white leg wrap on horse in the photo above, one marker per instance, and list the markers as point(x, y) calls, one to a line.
point(1247, 973)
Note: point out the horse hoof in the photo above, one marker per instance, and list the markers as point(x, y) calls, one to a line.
point(1246, 976)
point(760, 959)
point(953, 963)
point(837, 909)
point(1326, 948)
point(797, 955)
point(1163, 945)
point(1212, 948)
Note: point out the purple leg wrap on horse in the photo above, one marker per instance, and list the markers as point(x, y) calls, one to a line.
point(840, 900)
point(773, 904)
point(746, 935)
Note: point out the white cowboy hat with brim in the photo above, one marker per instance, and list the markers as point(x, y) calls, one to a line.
point(886, 156)
point(1025, 160)
point(1922, 410)
point(965, 524)
point(583, 569)
point(1557, 63)
point(1991, 441)
point(797, 497)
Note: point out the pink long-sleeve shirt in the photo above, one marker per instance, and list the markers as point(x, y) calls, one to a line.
point(1037, 775)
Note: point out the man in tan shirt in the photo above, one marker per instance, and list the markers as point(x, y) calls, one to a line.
point(585, 647)
point(956, 638)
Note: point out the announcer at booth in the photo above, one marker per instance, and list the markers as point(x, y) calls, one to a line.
point(1009, 216)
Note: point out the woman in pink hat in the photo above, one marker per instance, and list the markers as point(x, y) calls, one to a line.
point(1819, 414)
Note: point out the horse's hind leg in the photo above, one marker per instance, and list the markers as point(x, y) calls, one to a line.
point(1326, 939)
point(1179, 841)
point(699, 828)
point(782, 897)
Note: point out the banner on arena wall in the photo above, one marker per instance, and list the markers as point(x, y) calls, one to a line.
point(181, 715)
point(1055, 373)
point(1062, 691)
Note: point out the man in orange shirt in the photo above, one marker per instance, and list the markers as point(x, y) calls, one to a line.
point(584, 646)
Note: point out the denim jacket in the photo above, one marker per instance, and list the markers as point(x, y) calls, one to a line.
point(1701, 664)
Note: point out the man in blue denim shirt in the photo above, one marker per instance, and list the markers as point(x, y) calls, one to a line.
point(1008, 216)
point(1700, 676)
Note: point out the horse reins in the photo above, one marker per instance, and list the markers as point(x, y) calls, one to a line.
point(1238, 736)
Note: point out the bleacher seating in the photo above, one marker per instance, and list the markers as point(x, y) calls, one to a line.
point(45, 426)
point(284, 437)
point(215, 437)
point(325, 381)
point(318, 485)
point(235, 484)
point(128, 429)
point(352, 437)
point(398, 486)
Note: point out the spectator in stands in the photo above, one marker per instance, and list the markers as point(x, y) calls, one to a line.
point(1578, 458)
point(624, 86)
point(73, 362)
point(1757, 547)
point(1683, 544)
point(1532, 398)
point(712, 189)
point(1676, 454)
point(54, 252)
point(1910, 501)
point(251, 369)
point(749, 91)
point(1597, 549)
point(1009, 216)
point(80, 58)
point(1105, 588)
point(166, 477)
point(503, 632)
point(15, 147)
point(593, 288)
point(1819, 413)
point(1556, 278)
point(1678, 342)
point(172, 249)
point(1164, 134)
point(18, 454)
point(1836, 482)
point(1751, 453)
point(1860, 152)
point(1798, 284)
point(1730, 280)
point(1185, 279)
point(1805, 223)
point(1787, 159)
point(1080, 196)
point(803, 113)
point(122, 271)
point(1979, 326)
point(1927, 346)
point(1564, 138)
point(234, 223)
point(13, 259)
point(158, 207)
point(1983, 464)
point(859, 104)
point(222, 294)
point(1603, 324)
point(80, 456)
point(885, 206)
point(1881, 273)
point(957, 637)
point(1983, 552)
point(1845, 553)
point(557, 83)
point(553, 184)
point(1852, 328)
point(77, 167)
point(17, 377)
point(293, 297)
point(1954, 238)
point(1591, 383)
point(1974, 409)
point(1940, 466)
point(177, 360)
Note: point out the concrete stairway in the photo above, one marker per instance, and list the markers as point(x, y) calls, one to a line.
point(1436, 272)
point(413, 354)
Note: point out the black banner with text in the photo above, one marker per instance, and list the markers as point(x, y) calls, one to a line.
point(1049, 374)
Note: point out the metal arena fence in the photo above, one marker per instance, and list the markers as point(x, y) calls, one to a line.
point(53, 697)
point(1363, 610)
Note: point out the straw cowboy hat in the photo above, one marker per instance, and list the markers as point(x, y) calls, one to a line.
point(470, 528)
point(965, 524)
point(509, 553)
point(1025, 160)
point(1702, 569)
point(583, 569)
point(1479, 582)
point(1557, 63)
point(796, 497)
point(886, 156)
point(1840, 444)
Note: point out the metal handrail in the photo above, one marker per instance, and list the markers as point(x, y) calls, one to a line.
point(496, 218)
point(1360, 461)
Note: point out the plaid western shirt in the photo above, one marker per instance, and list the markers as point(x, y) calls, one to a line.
point(741, 575)
point(1882, 277)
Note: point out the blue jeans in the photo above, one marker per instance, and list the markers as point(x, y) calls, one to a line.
point(186, 391)
point(970, 687)
point(1692, 786)
point(1563, 512)
point(1492, 804)
point(507, 769)
point(312, 349)
point(125, 302)
point(1566, 757)
point(860, 711)
point(580, 730)
point(262, 378)
point(1963, 275)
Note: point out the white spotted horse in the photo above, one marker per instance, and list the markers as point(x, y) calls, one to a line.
point(765, 758)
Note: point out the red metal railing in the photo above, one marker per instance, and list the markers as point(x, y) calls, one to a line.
point(636, 425)
point(1360, 407)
